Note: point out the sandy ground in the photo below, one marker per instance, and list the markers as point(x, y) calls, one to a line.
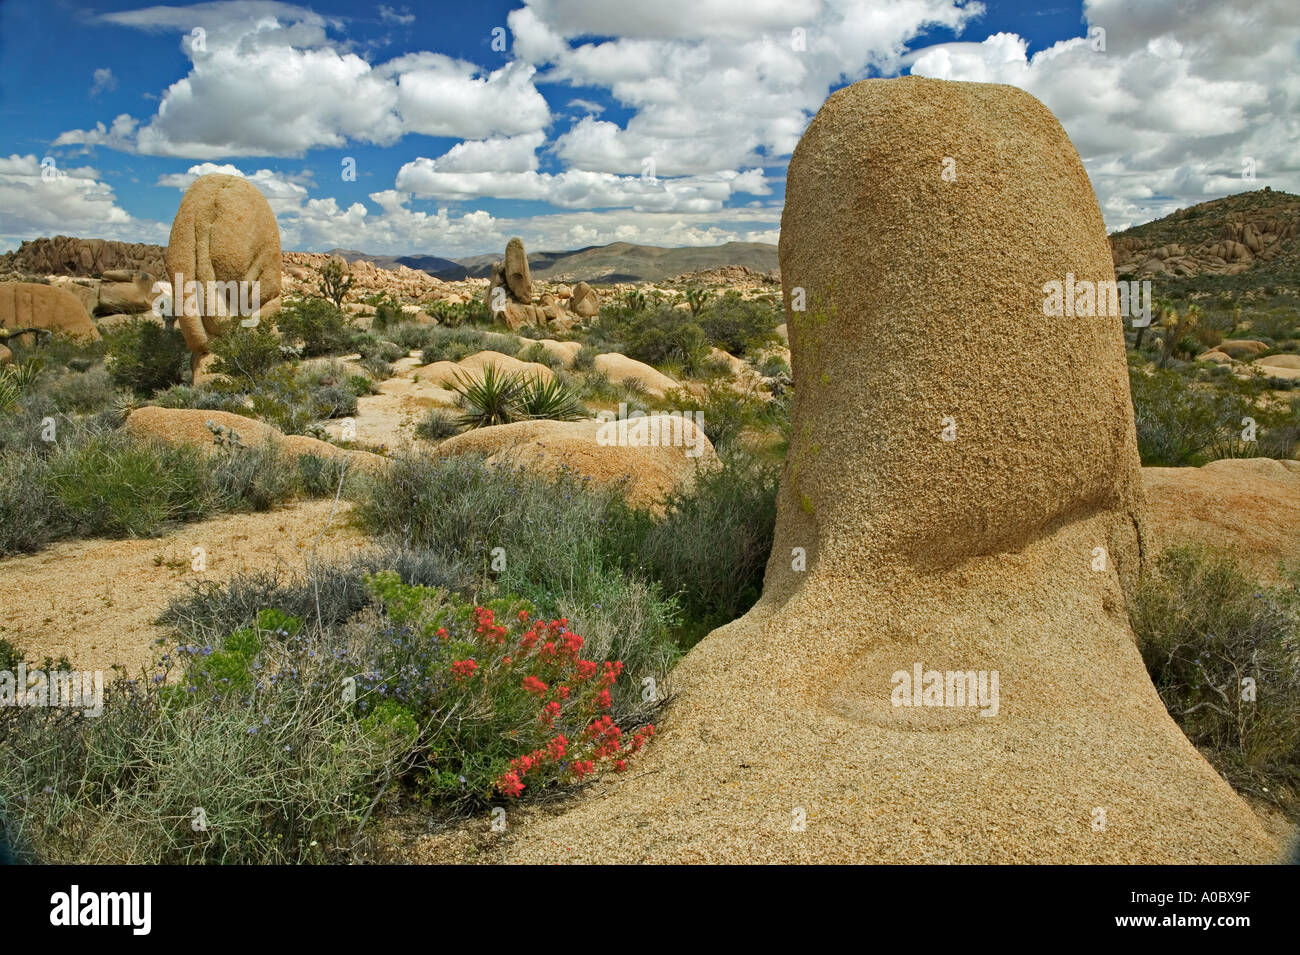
point(95, 601)
point(387, 421)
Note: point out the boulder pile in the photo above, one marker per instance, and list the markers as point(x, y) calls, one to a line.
point(66, 255)
point(1242, 242)
point(510, 295)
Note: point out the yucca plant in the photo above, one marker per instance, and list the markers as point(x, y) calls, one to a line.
point(697, 298)
point(634, 300)
point(489, 399)
point(15, 381)
point(550, 399)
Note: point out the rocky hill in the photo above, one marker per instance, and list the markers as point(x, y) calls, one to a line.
point(618, 262)
point(1238, 243)
point(66, 255)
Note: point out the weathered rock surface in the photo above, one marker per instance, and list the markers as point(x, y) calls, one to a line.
point(189, 426)
point(620, 369)
point(647, 473)
point(584, 303)
point(896, 549)
point(1248, 506)
point(66, 255)
point(32, 305)
point(224, 231)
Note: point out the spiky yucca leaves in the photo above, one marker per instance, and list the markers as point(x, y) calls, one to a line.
point(549, 399)
point(500, 398)
point(15, 381)
point(488, 399)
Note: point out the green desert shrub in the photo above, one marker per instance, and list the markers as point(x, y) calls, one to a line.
point(317, 325)
point(31, 515)
point(487, 398)
point(144, 357)
point(377, 368)
point(387, 314)
point(711, 547)
point(439, 423)
point(724, 412)
point(324, 593)
point(667, 334)
point(1224, 652)
point(550, 399)
point(253, 740)
point(774, 366)
point(411, 335)
point(560, 535)
point(738, 325)
point(453, 344)
point(16, 382)
point(247, 355)
point(1181, 423)
point(98, 481)
point(539, 355)
point(111, 484)
point(323, 477)
point(82, 392)
point(253, 478)
point(457, 314)
point(1275, 324)
point(492, 397)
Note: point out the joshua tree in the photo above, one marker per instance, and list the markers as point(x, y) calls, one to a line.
point(697, 298)
point(634, 300)
point(335, 281)
point(1177, 328)
point(1163, 307)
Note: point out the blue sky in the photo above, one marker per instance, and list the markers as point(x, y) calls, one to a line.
point(580, 122)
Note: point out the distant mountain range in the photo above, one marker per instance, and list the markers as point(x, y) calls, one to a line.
point(432, 264)
point(617, 262)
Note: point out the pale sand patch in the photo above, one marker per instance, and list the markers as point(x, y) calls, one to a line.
point(95, 601)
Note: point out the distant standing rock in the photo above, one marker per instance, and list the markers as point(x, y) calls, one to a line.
point(517, 276)
point(224, 231)
point(585, 302)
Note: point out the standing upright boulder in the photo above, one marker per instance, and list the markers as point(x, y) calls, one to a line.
point(516, 271)
point(224, 231)
point(584, 301)
point(941, 667)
